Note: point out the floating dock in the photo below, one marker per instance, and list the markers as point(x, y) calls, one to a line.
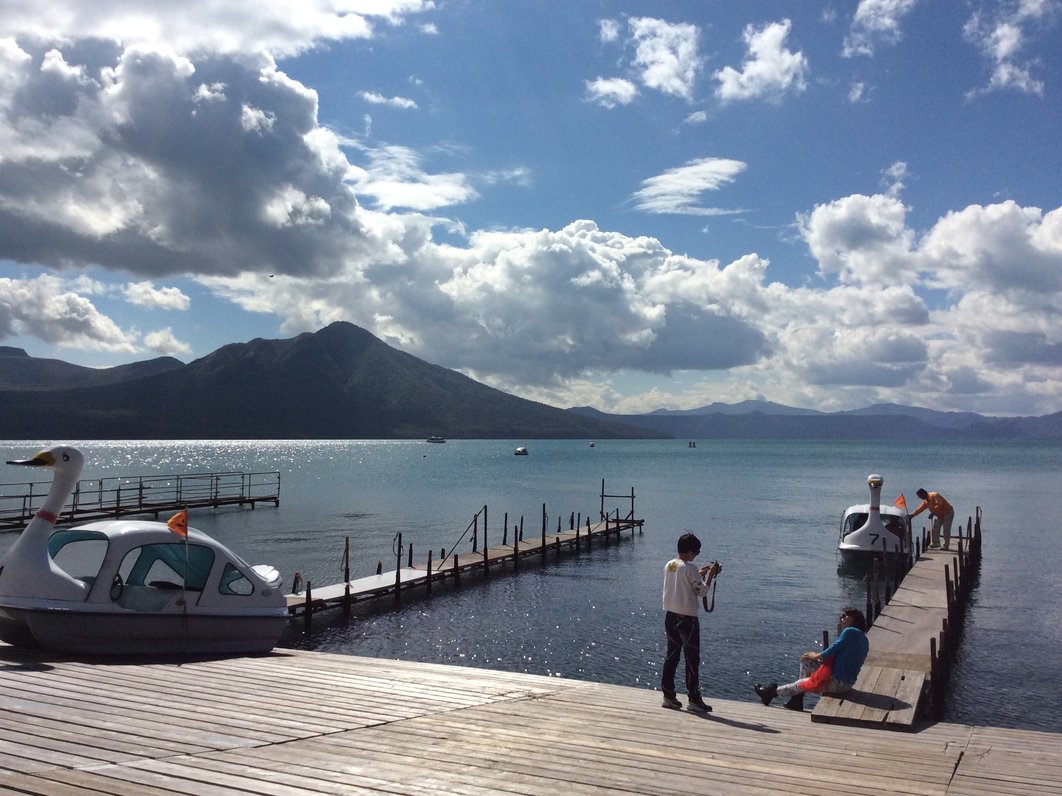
point(424, 575)
point(912, 639)
point(129, 496)
point(292, 723)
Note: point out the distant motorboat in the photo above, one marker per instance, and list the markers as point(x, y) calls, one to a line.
point(131, 586)
point(521, 451)
point(434, 438)
point(868, 529)
point(591, 444)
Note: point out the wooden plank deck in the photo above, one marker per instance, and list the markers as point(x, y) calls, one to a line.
point(297, 722)
point(894, 680)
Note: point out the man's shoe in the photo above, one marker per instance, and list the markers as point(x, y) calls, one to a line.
point(796, 702)
point(671, 702)
point(766, 692)
point(699, 706)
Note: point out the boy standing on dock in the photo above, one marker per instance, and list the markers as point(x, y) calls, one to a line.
point(683, 584)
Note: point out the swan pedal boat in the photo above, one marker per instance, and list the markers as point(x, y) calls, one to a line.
point(868, 528)
point(128, 587)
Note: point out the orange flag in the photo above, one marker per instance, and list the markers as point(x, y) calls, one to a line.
point(901, 503)
point(178, 523)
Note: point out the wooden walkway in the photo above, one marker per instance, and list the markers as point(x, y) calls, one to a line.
point(425, 574)
point(911, 641)
point(293, 723)
point(129, 496)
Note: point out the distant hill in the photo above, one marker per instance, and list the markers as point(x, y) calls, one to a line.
point(20, 371)
point(766, 420)
point(338, 383)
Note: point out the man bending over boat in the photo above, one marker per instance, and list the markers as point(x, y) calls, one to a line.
point(832, 671)
point(941, 512)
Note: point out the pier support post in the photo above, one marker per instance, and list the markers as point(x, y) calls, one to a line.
point(346, 578)
point(431, 572)
point(398, 569)
point(307, 611)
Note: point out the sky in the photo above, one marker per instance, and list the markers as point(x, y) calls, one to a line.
point(626, 205)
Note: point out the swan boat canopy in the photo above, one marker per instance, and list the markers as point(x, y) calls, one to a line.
point(869, 528)
point(130, 586)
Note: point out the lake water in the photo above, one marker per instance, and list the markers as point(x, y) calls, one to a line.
point(768, 510)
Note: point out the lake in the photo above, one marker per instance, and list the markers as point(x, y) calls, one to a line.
point(769, 511)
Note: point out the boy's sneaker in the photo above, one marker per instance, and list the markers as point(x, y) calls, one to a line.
point(698, 705)
point(671, 702)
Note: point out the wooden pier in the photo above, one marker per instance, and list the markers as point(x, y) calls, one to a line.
point(426, 574)
point(912, 639)
point(127, 496)
point(294, 723)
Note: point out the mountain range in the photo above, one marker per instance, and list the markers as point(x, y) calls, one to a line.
point(342, 382)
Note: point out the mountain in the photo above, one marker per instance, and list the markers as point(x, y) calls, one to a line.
point(741, 408)
point(766, 420)
point(337, 383)
point(20, 371)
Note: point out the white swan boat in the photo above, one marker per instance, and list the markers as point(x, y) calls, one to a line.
point(130, 586)
point(869, 528)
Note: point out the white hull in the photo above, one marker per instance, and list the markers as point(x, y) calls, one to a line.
point(107, 633)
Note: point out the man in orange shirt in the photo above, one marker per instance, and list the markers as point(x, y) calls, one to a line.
point(941, 512)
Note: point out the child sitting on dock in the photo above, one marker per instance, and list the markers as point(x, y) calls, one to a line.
point(683, 584)
point(832, 671)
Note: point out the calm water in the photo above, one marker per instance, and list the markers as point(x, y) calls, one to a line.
point(768, 510)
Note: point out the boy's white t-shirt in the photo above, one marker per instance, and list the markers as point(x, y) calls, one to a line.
point(682, 587)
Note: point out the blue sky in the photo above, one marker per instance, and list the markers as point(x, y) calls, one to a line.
point(630, 205)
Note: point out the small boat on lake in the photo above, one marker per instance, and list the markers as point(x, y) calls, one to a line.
point(521, 451)
point(131, 586)
point(869, 528)
point(436, 439)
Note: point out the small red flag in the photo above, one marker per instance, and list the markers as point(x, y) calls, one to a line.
point(901, 503)
point(178, 523)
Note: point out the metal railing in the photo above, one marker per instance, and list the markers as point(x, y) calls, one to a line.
point(119, 496)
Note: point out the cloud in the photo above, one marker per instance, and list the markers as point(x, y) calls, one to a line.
point(392, 102)
point(145, 294)
point(876, 21)
point(861, 240)
point(273, 27)
point(769, 71)
point(394, 179)
point(157, 165)
point(1002, 36)
point(608, 30)
point(47, 309)
point(611, 91)
point(665, 55)
point(163, 343)
point(677, 190)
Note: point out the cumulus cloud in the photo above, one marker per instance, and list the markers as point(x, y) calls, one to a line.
point(1001, 36)
point(666, 55)
point(145, 294)
point(611, 91)
point(273, 27)
point(769, 71)
point(158, 165)
point(164, 343)
point(48, 309)
point(876, 21)
point(663, 56)
point(677, 190)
